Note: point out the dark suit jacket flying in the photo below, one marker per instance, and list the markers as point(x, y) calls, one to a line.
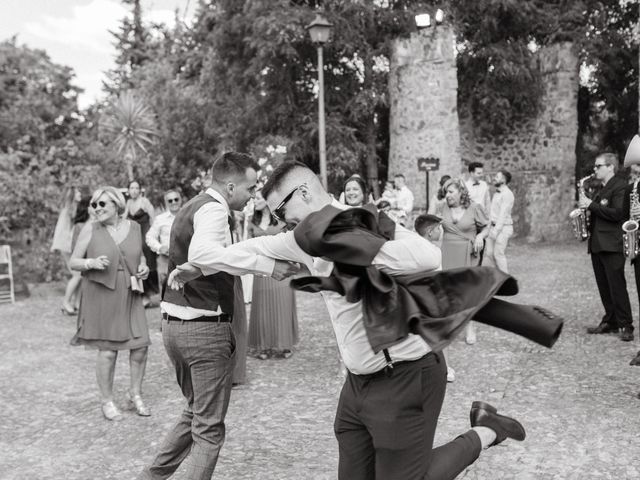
point(434, 305)
point(607, 217)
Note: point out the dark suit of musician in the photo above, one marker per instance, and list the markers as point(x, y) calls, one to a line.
point(605, 247)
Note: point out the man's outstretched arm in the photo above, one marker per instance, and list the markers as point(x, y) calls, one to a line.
point(281, 250)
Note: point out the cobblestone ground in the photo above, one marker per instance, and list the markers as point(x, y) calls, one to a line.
point(576, 401)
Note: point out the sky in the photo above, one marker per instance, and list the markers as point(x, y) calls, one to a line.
point(76, 32)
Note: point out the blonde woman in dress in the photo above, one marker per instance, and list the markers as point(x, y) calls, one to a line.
point(466, 226)
point(111, 318)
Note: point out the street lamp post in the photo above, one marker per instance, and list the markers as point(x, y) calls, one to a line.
point(319, 31)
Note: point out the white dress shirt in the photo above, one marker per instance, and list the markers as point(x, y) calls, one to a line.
point(479, 193)
point(159, 232)
point(210, 237)
point(501, 205)
point(407, 253)
point(404, 200)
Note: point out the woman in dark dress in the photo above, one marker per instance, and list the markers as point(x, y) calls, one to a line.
point(111, 317)
point(140, 210)
point(273, 323)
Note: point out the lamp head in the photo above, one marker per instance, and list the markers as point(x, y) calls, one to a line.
point(320, 29)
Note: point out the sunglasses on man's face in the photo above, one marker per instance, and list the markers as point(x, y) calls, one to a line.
point(100, 204)
point(598, 165)
point(173, 200)
point(278, 212)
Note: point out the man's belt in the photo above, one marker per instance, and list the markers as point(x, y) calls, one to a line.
point(222, 318)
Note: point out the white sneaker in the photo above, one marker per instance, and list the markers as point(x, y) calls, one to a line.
point(451, 375)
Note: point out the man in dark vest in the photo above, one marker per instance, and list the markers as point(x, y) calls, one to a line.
point(391, 400)
point(196, 326)
point(605, 247)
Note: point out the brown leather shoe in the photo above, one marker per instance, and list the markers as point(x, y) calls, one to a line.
point(636, 360)
point(484, 415)
point(602, 328)
point(626, 334)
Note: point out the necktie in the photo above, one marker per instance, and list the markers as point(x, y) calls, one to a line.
point(232, 225)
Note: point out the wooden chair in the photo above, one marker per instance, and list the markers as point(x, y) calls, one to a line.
point(6, 294)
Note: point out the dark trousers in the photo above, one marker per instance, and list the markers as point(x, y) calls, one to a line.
point(608, 268)
point(203, 355)
point(385, 426)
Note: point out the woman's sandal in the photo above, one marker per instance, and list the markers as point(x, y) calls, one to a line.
point(136, 403)
point(111, 412)
point(65, 311)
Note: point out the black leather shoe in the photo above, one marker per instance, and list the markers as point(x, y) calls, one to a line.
point(636, 360)
point(602, 328)
point(484, 415)
point(626, 334)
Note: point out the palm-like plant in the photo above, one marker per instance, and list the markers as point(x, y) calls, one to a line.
point(130, 127)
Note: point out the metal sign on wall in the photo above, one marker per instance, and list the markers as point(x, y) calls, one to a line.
point(428, 164)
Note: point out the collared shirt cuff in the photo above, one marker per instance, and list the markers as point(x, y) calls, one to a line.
point(208, 271)
point(265, 265)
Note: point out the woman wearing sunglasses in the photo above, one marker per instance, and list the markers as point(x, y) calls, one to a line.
point(111, 317)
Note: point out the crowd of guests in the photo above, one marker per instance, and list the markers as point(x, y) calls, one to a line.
point(116, 245)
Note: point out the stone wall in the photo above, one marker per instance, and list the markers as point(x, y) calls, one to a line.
point(540, 153)
point(423, 86)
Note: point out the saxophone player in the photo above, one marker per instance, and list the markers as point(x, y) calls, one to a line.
point(631, 208)
point(605, 247)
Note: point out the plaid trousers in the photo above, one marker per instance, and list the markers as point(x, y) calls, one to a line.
point(203, 355)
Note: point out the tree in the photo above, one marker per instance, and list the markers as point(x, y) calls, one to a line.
point(130, 127)
point(46, 144)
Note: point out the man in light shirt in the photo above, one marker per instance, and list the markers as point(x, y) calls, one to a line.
point(501, 228)
point(478, 188)
point(196, 325)
point(386, 418)
point(158, 234)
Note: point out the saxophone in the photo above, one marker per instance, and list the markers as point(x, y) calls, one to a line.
point(579, 217)
point(630, 238)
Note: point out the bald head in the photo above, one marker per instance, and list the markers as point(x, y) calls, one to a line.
point(293, 191)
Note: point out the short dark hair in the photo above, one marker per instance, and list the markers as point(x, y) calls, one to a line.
point(232, 164)
point(506, 175)
point(609, 158)
point(278, 175)
point(399, 175)
point(423, 222)
point(474, 165)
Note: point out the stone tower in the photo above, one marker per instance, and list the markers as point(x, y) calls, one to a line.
point(423, 87)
